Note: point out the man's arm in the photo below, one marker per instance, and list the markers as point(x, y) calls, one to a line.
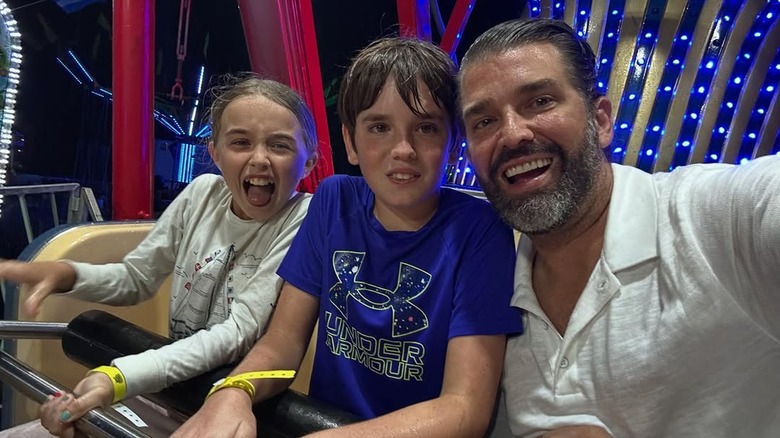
point(228, 412)
point(465, 405)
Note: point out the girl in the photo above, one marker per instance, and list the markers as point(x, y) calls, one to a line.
point(221, 239)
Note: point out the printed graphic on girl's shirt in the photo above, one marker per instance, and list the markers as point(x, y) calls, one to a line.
point(210, 291)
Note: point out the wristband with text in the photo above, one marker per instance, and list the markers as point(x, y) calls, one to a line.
point(117, 379)
point(242, 381)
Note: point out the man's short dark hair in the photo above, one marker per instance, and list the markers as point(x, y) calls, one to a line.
point(578, 57)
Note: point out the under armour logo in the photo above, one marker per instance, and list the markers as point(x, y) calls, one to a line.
point(412, 282)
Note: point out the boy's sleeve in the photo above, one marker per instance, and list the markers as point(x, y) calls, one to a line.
point(484, 283)
point(303, 265)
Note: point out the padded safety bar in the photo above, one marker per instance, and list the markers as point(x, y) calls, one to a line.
point(96, 338)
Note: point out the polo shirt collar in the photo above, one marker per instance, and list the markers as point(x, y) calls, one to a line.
point(630, 236)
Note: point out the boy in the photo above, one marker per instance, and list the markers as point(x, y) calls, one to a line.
point(410, 282)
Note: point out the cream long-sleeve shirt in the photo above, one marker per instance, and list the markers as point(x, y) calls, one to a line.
point(224, 283)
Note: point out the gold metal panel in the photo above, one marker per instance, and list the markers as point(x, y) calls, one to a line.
point(598, 17)
point(570, 11)
point(632, 21)
point(546, 6)
point(666, 32)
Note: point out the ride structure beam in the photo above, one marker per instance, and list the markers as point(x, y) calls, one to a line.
point(133, 125)
point(452, 34)
point(282, 45)
point(414, 19)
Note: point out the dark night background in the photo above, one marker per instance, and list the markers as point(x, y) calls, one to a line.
point(56, 117)
point(63, 130)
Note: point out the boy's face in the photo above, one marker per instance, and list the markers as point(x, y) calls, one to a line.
point(402, 156)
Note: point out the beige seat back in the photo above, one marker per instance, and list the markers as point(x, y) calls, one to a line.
point(93, 243)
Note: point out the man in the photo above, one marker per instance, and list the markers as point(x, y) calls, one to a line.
point(652, 302)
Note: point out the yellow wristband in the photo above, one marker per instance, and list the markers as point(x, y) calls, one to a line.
point(242, 381)
point(117, 379)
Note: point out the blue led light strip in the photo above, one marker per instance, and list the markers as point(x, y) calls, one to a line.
point(582, 18)
point(719, 33)
point(70, 71)
point(776, 148)
point(742, 66)
point(186, 161)
point(768, 90)
point(534, 8)
point(637, 72)
point(559, 7)
point(666, 88)
point(81, 66)
point(609, 42)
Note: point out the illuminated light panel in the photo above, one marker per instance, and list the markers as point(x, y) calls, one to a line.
point(187, 151)
point(703, 81)
point(186, 162)
point(14, 73)
point(534, 8)
point(582, 20)
point(558, 9)
point(609, 44)
point(766, 94)
point(743, 64)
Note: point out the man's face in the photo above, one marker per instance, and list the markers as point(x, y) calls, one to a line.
point(534, 142)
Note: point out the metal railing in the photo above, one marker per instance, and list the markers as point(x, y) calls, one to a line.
point(81, 201)
point(96, 423)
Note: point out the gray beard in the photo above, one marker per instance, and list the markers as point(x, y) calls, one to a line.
point(548, 210)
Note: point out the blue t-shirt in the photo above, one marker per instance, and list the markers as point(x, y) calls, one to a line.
point(391, 300)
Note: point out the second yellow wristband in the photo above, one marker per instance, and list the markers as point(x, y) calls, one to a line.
point(117, 379)
point(242, 381)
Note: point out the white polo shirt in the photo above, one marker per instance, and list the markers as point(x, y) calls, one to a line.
point(677, 333)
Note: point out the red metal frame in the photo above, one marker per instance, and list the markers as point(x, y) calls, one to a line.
point(133, 94)
point(414, 18)
point(282, 45)
point(456, 23)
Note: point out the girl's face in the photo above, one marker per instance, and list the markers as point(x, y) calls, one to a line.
point(261, 154)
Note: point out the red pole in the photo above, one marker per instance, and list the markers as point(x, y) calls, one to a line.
point(414, 18)
point(458, 18)
point(282, 45)
point(133, 126)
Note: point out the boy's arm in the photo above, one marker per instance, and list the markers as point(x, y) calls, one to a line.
point(465, 405)
point(228, 412)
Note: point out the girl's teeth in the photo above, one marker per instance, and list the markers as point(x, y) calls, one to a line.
point(259, 181)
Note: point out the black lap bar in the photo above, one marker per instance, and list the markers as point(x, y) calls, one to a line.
point(95, 338)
